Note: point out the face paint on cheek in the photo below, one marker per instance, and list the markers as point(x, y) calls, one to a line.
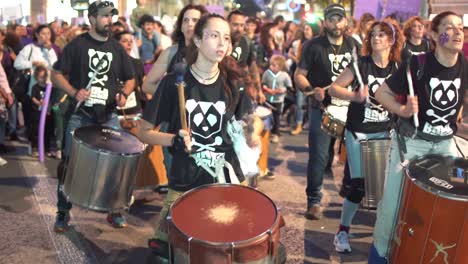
point(443, 38)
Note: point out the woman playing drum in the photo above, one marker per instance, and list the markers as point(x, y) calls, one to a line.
point(366, 117)
point(439, 80)
point(203, 153)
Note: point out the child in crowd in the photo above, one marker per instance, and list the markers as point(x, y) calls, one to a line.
point(276, 82)
point(37, 97)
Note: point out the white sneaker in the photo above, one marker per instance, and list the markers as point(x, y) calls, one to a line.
point(274, 138)
point(341, 242)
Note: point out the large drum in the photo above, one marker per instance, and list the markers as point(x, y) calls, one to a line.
point(224, 223)
point(101, 168)
point(374, 153)
point(334, 120)
point(433, 221)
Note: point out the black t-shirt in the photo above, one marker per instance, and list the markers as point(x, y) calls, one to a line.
point(370, 118)
point(206, 108)
point(244, 51)
point(409, 49)
point(86, 55)
point(38, 93)
point(440, 92)
point(324, 61)
point(136, 99)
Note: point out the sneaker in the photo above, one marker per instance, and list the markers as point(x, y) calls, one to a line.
point(14, 137)
point(341, 242)
point(314, 212)
point(159, 248)
point(117, 220)
point(274, 139)
point(269, 175)
point(61, 221)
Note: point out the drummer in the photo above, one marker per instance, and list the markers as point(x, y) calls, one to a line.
point(91, 54)
point(323, 59)
point(439, 80)
point(204, 154)
point(366, 117)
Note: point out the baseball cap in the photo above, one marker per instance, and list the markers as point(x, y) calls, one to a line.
point(334, 9)
point(102, 8)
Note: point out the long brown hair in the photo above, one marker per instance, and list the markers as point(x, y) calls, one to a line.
point(229, 70)
point(394, 34)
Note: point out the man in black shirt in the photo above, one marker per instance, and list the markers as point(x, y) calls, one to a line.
point(92, 53)
point(323, 59)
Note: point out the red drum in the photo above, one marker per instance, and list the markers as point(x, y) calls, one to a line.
point(224, 223)
point(433, 222)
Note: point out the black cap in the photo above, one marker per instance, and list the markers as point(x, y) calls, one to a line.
point(102, 8)
point(334, 9)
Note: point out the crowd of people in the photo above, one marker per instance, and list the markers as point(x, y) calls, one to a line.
point(234, 64)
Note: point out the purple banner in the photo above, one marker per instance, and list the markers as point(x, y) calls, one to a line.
point(365, 6)
point(217, 9)
point(402, 9)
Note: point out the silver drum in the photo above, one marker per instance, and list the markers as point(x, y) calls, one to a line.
point(374, 161)
point(102, 168)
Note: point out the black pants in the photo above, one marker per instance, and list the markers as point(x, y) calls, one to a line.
point(276, 117)
point(48, 131)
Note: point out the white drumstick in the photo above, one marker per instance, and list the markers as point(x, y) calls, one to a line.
point(313, 92)
point(93, 78)
point(358, 74)
point(411, 92)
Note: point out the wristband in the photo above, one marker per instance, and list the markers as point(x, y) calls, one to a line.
point(178, 143)
point(308, 89)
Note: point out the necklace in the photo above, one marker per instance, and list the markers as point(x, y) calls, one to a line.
point(204, 79)
point(336, 62)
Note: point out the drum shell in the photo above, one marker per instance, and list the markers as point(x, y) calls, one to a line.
point(427, 218)
point(260, 249)
point(99, 180)
point(374, 154)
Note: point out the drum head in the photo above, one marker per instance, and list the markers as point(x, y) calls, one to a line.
point(444, 176)
point(109, 140)
point(223, 213)
point(262, 111)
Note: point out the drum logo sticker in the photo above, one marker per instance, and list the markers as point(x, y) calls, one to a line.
point(443, 250)
point(441, 183)
point(374, 112)
point(205, 121)
point(99, 64)
point(443, 99)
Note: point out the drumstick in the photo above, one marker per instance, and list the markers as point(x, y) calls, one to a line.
point(88, 86)
point(313, 92)
point(179, 70)
point(411, 91)
point(358, 74)
point(267, 104)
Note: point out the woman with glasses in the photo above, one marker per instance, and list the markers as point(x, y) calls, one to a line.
point(366, 117)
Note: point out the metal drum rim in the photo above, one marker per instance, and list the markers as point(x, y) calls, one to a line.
point(235, 244)
point(434, 191)
point(108, 151)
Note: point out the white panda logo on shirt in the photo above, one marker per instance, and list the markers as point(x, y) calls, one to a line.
point(339, 62)
point(374, 112)
point(99, 64)
point(443, 101)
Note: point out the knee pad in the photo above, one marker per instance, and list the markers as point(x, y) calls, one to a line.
point(356, 191)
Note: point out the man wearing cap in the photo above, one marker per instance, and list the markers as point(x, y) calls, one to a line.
point(149, 41)
point(91, 54)
point(323, 59)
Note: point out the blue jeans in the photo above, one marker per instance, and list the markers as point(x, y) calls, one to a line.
point(319, 142)
point(75, 121)
point(12, 118)
point(299, 105)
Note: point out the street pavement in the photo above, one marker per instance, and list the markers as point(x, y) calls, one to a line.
point(27, 213)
